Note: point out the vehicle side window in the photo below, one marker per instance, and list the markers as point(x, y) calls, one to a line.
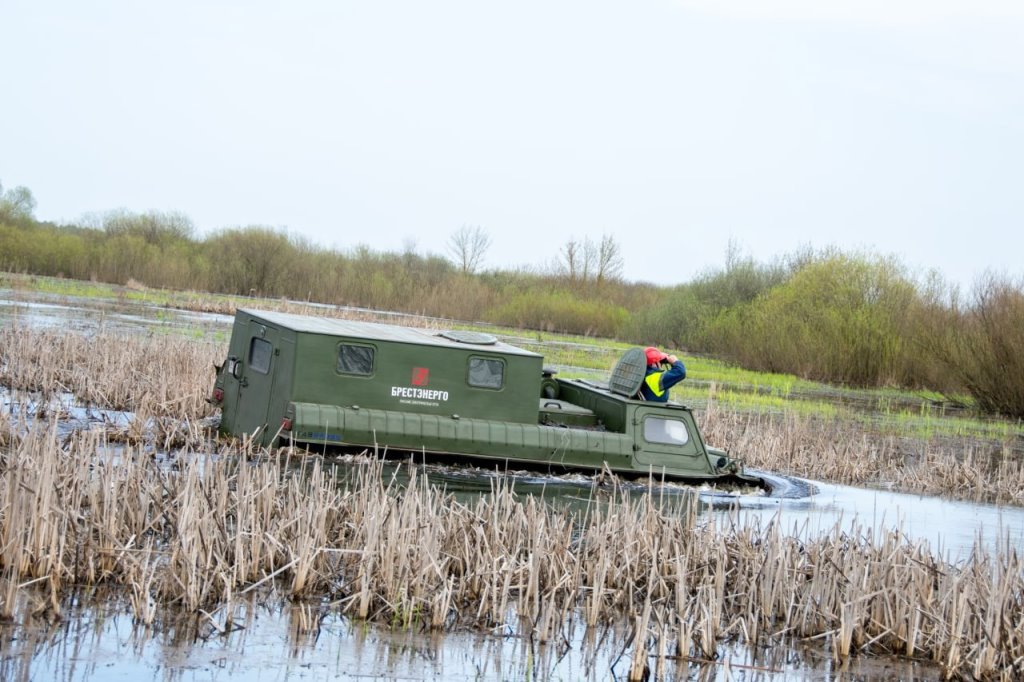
point(665, 431)
point(486, 373)
point(260, 352)
point(353, 359)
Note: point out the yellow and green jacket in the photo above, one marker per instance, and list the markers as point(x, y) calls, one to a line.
point(658, 381)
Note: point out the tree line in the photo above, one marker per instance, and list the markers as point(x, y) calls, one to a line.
point(855, 318)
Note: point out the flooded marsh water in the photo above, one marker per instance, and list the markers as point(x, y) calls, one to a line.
point(97, 639)
point(275, 645)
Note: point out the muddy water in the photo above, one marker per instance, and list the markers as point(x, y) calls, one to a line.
point(97, 640)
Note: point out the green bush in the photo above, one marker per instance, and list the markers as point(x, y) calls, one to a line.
point(681, 318)
point(678, 320)
point(981, 344)
point(249, 260)
point(559, 312)
point(840, 320)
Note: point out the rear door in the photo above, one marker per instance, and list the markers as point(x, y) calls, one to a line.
point(256, 384)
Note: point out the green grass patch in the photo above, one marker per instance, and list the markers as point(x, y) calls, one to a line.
point(69, 287)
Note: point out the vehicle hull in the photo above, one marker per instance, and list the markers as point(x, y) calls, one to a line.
point(512, 444)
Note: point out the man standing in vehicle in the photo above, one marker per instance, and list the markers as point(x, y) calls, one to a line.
point(659, 379)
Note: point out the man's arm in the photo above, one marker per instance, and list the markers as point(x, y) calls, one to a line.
point(673, 375)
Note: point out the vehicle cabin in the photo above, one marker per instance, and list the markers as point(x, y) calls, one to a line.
point(277, 358)
point(321, 381)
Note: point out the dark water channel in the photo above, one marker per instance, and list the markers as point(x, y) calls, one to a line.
point(97, 640)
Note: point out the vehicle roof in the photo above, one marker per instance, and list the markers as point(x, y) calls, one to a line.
point(376, 331)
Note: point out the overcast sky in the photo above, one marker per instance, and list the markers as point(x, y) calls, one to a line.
point(675, 126)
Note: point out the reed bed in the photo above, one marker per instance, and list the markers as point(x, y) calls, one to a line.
point(201, 532)
point(163, 375)
point(840, 452)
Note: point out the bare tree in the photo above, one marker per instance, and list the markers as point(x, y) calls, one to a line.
point(587, 260)
point(609, 260)
point(733, 254)
point(572, 257)
point(468, 245)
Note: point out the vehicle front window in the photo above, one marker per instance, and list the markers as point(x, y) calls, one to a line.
point(486, 373)
point(666, 431)
point(260, 352)
point(353, 359)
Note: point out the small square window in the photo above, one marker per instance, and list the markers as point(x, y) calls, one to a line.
point(260, 352)
point(486, 373)
point(354, 359)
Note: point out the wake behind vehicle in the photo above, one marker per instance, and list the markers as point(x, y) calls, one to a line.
point(312, 381)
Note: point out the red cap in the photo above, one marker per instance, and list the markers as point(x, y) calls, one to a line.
point(654, 356)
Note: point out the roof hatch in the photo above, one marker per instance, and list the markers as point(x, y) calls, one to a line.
point(628, 373)
point(476, 338)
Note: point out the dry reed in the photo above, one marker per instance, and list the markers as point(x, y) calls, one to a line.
point(844, 453)
point(209, 529)
point(165, 375)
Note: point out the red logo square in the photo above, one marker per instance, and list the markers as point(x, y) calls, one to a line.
point(420, 376)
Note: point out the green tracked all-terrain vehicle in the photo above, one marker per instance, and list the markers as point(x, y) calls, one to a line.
point(312, 381)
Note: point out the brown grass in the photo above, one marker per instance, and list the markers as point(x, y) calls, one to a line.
point(165, 374)
point(203, 531)
point(845, 453)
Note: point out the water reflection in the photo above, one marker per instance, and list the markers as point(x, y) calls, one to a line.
point(311, 641)
point(54, 311)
